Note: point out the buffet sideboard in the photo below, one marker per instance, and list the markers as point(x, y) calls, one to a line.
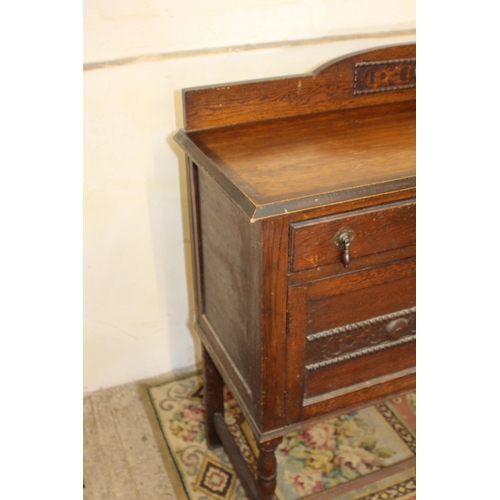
point(302, 215)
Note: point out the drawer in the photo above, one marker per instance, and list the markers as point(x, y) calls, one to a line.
point(374, 230)
point(352, 338)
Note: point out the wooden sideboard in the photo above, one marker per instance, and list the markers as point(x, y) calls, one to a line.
point(302, 213)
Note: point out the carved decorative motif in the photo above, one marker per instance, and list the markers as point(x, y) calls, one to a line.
point(362, 338)
point(382, 76)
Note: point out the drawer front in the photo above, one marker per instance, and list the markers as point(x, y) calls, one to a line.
point(352, 338)
point(376, 230)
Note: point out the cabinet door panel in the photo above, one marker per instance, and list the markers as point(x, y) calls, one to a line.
point(352, 335)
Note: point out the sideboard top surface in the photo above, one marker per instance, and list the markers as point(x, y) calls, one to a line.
point(283, 163)
point(341, 143)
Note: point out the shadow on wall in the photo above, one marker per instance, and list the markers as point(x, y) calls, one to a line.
point(162, 219)
point(179, 122)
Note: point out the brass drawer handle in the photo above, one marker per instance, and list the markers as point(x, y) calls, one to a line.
point(343, 240)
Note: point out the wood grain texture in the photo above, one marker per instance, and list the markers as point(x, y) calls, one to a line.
point(274, 322)
point(267, 469)
point(337, 84)
point(227, 275)
point(362, 338)
point(295, 348)
point(326, 271)
point(245, 261)
point(331, 309)
point(359, 280)
point(195, 233)
point(340, 402)
point(359, 370)
point(228, 370)
point(376, 230)
point(341, 300)
point(317, 204)
point(270, 164)
point(314, 417)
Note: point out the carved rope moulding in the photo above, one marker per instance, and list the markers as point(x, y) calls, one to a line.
point(360, 339)
point(362, 324)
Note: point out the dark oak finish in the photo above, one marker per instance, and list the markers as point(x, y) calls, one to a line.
point(274, 241)
point(266, 167)
point(359, 395)
point(302, 211)
point(377, 230)
point(266, 468)
point(213, 397)
point(333, 86)
point(227, 278)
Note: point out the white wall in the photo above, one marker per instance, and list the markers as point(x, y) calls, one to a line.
point(115, 29)
point(136, 252)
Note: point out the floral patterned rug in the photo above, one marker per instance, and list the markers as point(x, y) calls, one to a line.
point(310, 461)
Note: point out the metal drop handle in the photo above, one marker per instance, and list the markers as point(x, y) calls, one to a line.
point(343, 240)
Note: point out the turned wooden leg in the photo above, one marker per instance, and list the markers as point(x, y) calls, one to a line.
point(266, 469)
point(214, 398)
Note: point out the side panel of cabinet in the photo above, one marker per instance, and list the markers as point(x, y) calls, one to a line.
point(228, 285)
